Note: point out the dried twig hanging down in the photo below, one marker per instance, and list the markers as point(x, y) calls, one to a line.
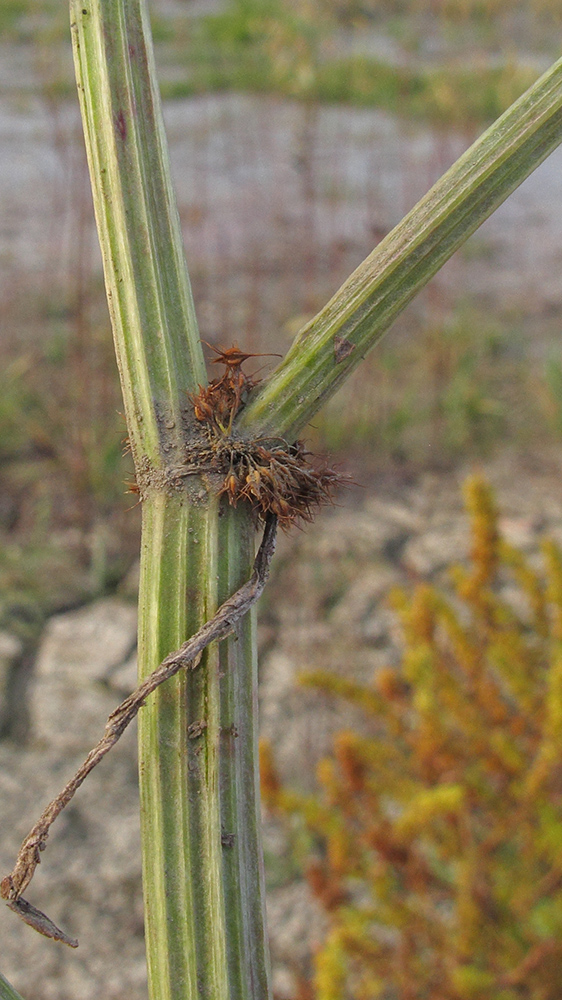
point(219, 626)
point(40, 921)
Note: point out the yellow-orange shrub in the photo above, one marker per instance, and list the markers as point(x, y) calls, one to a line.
point(438, 836)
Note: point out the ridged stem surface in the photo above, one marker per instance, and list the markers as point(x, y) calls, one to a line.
point(205, 926)
point(203, 883)
point(332, 344)
point(7, 992)
point(155, 331)
point(179, 744)
point(243, 874)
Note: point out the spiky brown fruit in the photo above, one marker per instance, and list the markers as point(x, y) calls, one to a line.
point(272, 475)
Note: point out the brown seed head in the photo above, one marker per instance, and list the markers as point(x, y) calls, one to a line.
point(272, 476)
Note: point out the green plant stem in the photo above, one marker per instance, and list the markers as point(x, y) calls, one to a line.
point(203, 880)
point(8, 992)
point(332, 344)
point(204, 900)
point(155, 331)
point(180, 776)
point(203, 874)
point(243, 874)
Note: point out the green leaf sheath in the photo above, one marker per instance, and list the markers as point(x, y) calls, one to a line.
point(332, 344)
point(158, 349)
point(8, 992)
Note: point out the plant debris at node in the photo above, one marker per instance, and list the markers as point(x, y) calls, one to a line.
point(272, 475)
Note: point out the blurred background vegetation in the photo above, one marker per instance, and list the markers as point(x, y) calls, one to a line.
point(433, 843)
point(301, 131)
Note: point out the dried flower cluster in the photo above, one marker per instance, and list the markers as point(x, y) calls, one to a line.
point(218, 403)
point(437, 836)
point(270, 474)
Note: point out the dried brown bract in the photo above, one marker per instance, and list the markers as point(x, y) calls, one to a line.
point(278, 478)
point(272, 475)
point(218, 403)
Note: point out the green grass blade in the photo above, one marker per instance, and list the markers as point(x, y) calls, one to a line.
point(332, 344)
point(158, 349)
point(7, 992)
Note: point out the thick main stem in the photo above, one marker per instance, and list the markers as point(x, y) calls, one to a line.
point(202, 858)
point(194, 775)
point(180, 812)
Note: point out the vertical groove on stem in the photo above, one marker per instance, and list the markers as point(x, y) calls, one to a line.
point(179, 749)
point(7, 992)
point(157, 344)
point(244, 883)
point(197, 946)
